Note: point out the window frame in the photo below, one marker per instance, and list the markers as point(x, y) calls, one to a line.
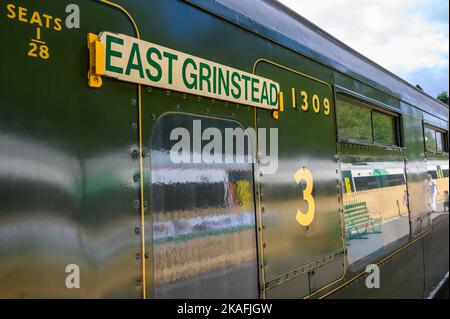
point(396, 131)
point(444, 136)
point(372, 107)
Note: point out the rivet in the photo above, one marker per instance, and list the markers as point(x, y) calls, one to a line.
point(136, 178)
point(263, 209)
point(264, 245)
point(149, 89)
point(136, 203)
point(133, 102)
point(167, 93)
point(137, 231)
point(147, 255)
point(134, 154)
point(134, 126)
point(138, 283)
point(213, 101)
point(153, 116)
point(207, 110)
point(178, 106)
point(184, 96)
point(138, 256)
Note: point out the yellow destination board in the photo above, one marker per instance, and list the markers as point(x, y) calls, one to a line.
point(133, 60)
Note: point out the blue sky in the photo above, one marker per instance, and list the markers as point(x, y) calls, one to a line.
point(408, 37)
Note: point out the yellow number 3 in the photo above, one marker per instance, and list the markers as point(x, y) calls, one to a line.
point(305, 219)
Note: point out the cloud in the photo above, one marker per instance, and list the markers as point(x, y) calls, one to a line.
point(408, 37)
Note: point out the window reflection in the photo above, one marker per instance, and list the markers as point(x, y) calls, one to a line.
point(439, 142)
point(203, 220)
point(384, 128)
point(354, 120)
point(439, 173)
point(358, 121)
point(375, 207)
point(435, 140)
point(430, 139)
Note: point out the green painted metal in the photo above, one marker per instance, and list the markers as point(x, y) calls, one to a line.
point(59, 139)
point(68, 193)
point(306, 139)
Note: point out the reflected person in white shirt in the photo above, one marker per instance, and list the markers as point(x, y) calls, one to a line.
point(432, 191)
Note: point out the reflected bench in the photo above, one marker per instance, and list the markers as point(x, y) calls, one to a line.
point(357, 221)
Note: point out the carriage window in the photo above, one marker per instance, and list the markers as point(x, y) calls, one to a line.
point(430, 139)
point(397, 179)
point(365, 183)
point(435, 140)
point(354, 120)
point(360, 122)
point(439, 142)
point(384, 128)
point(445, 172)
point(433, 173)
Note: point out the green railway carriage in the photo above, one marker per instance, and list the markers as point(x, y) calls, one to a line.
point(93, 205)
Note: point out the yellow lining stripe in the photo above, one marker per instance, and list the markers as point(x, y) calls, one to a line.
point(141, 174)
point(127, 14)
point(281, 102)
point(380, 262)
point(294, 99)
point(293, 71)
